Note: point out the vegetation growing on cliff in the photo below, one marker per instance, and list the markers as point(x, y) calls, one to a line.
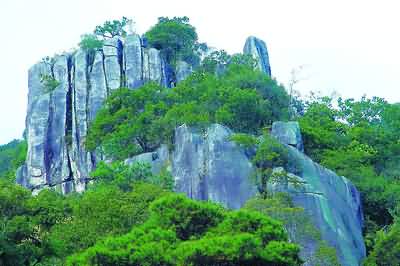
point(176, 39)
point(136, 121)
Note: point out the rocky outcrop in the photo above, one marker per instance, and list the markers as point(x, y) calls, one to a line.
point(206, 165)
point(183, 70)
point(158, 160)
point(58, 117)
point(332, 201)
point(288, 133)
point(258, 49)
point(334, 205)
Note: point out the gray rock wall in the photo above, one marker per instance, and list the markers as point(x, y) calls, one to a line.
point(332, 201)
point(207, 166)
point(58, 120)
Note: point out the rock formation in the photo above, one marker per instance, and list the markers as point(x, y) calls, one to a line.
point(58, 118)
point(258, 49)
point(332, 201)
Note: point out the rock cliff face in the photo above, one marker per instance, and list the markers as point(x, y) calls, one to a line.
point(206, 165)
point(58, 118)
point(332, 201)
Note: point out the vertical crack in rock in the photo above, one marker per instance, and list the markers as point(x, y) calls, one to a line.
point(75, 129)
point(103, 60)
point(68, 117)
point(143, 46)
point(48, 152)
point(263, 60)
point(68, 103)
point(203, 171)
point(120, 55)
point(90, 57)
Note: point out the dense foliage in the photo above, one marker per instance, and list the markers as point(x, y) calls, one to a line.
point(105, 223)
point(136, 121)
point(387, 247)
point(360, 140)
point(45, 229)
point(185, 232)
point(12, 156)
point(176, 39)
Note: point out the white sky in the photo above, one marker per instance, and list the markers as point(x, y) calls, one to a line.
point(348, 46)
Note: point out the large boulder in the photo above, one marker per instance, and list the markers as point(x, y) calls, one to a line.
point(158, 160)
point(288, 133)
point(258, 49)
point(208, 166)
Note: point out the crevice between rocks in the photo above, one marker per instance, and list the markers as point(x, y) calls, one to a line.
point(90, 57)
point(48, 153)
point(120, 56)
point(68, 116)
point(103, 62)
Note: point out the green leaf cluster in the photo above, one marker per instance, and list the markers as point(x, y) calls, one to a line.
point(49, 83)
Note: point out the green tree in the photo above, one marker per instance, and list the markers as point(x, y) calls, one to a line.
point(12, 156)
point(113, 28)
point(102, 211)
point(91, 43)
point(175, 38)
point(19, 244)
point(387, 248)
point(185, 232)
point(270, 154)
point(126, 176)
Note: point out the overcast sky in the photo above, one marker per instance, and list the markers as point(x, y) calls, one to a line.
point(352, 47)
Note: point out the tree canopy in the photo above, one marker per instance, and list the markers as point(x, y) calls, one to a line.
point(175, 38)
point(186, 232)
